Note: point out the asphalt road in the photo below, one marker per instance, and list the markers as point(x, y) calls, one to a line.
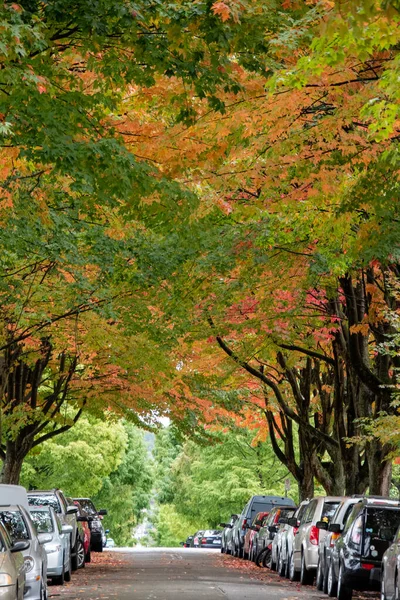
point(171, 574)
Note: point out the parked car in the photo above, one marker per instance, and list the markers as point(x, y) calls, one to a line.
point(256, 543)
point(255, 505)
point(390, 582)
point(327, 542)
point(186, 544)
point(12, 576)
point(357, 555)
point(248, 547)
point(66, 512)
point(211, 538)
point(98, 536)
point(306, 541)
point(58, 549)
point(281, 527)
point(196, 538)
point(110, 543)
point(226, 538)
point(287, 544)
point(269, 530)
point(17, 521)
point(84, 534)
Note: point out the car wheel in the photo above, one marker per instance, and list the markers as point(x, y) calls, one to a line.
point(267, 558)
point(320, 576)
point(272, 563)
point(331, 584)
point(343, 591)
point(80, 553)
point(74, 556)
point(306, 578)
point(293, 574)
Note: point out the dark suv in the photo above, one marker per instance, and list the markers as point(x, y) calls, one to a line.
point(255, 505)
point(357, 555)
point(97, 533)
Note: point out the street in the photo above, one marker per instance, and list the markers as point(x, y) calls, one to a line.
point(169, 574)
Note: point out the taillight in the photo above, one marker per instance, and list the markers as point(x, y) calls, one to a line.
point(367, 566)
point(244, 523)
point(295, 530)
point(314, 535)
point(204, 541)
point(334, 537)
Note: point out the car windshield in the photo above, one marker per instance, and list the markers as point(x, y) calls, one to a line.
point(44, 500)
point(88, 506)
point(43, 521)
point(15, 524)
point(381, 525)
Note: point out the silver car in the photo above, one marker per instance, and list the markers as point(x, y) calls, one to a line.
point(280, 538)
point(58, 549)
point(19, 525)
point(326, 543)
point(390, 583)
point(287, 543)
point(306, 541)
point(226, 542)
point(12, 567)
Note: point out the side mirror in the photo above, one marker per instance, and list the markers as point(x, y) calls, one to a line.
point(67, 529)
point(293, 522)
point(45, 538)
point(335, 527)
point(72, 510)
point(82, 519)
point(19, 546)
point(283, 521)
point(322, 525)
point(103, 512)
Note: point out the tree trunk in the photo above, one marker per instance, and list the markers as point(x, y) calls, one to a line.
point(12, 463)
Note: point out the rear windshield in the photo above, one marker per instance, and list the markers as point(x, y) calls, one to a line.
point(88, 506)
point(15, 524)
point(43, 521)
point(381, 525)
point(329, 510)
point(45, 500)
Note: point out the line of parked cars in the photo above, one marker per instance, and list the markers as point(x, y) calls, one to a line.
point(204, 538)
point(340, 543)
point(44, 535)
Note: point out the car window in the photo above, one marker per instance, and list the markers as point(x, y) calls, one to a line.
point(259, 507)
point(88, 506)
point(347, 513)
point(15, 524)
point(351, 518)
point(43, 521)
point(59, 524)
point(355, 538)
point(301, 512)
point(45, 500)
point(328, 511)
point(7, 541)
point(308, 515)
point(380, 528)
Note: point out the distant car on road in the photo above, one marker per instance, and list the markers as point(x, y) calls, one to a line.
point(110, 543)
point(195, 543)
point(211, 538)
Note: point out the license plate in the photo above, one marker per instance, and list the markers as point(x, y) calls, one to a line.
point(216, 541)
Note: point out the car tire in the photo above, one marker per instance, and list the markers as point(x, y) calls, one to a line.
point(320, 576)
point(67, 575)
point(59, 580)
point(343, 591)
point(272, 564)
point(245, 555)
point(80, 553)
point(74, 556)
point(306, 577)
point(281, 566)
point(331, 583)
point(267, 558)
point(293, 574)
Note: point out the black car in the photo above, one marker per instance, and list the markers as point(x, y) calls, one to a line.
point(357, 555)
point(211, 538)
point(97, 533)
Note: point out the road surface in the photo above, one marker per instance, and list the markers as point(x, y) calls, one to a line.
point(171, 574)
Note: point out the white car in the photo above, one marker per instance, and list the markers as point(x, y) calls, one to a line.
point(20, 527)
point(58, 550)
point(12, 567)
